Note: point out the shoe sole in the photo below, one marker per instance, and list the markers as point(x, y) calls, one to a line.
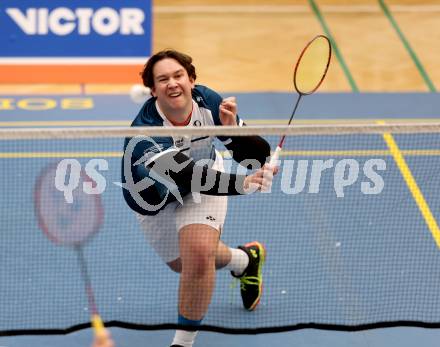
point(260, 269)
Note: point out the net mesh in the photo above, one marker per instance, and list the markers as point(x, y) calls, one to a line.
point(350, 227)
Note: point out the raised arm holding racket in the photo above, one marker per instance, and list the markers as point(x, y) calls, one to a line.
point(309, 73)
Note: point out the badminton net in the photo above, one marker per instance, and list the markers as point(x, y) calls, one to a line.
point(351, 229)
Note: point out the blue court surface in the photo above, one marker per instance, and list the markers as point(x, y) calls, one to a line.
point(336, 256)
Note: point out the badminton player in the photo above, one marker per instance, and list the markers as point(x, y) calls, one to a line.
point(185, 227)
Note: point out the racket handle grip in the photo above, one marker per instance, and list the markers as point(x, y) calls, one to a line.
point(275, 156)
point(97, 324)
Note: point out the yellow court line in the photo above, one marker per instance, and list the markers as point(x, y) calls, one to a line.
point(20, 155)
point(354, 153)
point(413, 186)
point(362, 153)
point(421, 152)
point(104, 123)
point(344, 121)
point(287, 153)
point(64, 123)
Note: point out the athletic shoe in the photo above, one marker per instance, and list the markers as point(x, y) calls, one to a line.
point(251, 281)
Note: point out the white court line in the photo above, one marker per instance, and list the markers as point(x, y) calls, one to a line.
point(274, 9)
point(415, 8)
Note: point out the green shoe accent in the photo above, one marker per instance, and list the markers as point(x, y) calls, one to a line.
point(251, 281)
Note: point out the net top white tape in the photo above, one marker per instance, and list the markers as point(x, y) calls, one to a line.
point(295, 130)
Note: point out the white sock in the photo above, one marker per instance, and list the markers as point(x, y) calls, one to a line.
point(184, 338)
point(239, 261)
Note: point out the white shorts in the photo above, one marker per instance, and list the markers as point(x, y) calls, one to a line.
point(162, 230)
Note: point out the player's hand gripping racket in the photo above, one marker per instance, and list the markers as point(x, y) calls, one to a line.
point(309, 72)
point(70, 224)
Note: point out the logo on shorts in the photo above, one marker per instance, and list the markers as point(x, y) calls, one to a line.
point(211, 218)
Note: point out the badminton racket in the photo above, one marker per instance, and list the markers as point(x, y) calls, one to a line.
point(70, 224)
point(309, 73)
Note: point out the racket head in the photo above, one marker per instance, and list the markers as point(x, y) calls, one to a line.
point(67, 224)
point(312, 65)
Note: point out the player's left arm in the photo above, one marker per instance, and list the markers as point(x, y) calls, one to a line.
point(224, 112)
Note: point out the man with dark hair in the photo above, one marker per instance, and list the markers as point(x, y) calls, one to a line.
point(183, 206)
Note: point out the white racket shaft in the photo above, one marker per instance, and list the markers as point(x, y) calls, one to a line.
point(275, 156)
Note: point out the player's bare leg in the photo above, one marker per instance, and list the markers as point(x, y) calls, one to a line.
point(201, 253)
point(198, 247)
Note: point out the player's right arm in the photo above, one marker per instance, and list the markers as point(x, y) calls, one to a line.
point(155, 172)
point(181, 170)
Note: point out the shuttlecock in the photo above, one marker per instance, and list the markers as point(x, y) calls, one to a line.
point(139, 93)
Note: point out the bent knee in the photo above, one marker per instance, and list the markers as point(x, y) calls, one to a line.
point(199, 260)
